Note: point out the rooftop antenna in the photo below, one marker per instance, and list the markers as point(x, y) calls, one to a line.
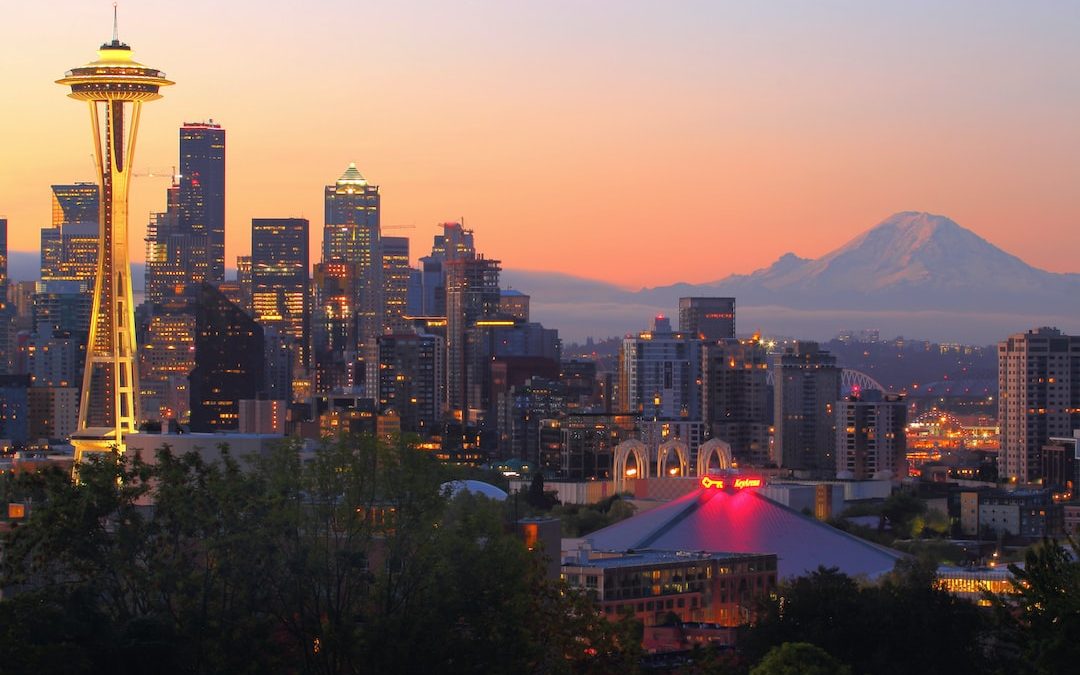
point(115, 31)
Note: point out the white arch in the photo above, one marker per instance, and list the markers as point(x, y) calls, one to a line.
point(705, 452)
point(681, 452)
point(622, 454)
point(850, 379)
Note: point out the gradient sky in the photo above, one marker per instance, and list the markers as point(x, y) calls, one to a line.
point(641, 143)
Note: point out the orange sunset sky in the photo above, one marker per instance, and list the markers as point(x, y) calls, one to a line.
point(641, 143)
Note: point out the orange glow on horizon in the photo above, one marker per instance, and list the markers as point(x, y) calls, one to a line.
point(742, 133)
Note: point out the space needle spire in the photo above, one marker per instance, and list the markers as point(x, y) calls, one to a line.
point(114, 86)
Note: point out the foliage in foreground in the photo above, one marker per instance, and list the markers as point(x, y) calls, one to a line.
point(900, 625)
point(905, 624)
point(1040, 624)
point(579, 520)
point(353, 562)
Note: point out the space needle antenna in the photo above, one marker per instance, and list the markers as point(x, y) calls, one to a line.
point(115, 30)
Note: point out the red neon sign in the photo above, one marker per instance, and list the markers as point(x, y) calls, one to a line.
point(710, 482)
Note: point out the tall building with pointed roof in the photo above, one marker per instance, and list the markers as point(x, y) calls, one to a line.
point(351, 235)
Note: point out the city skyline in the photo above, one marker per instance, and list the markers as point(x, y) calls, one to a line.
point(743, 129)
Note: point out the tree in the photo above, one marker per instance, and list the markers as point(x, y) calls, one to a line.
point(348, 561)
point(799, 658)
point(537, 497)
point(903, 624)
point(1040, 619)
point(900, 510)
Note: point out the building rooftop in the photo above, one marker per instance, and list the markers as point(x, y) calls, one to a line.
point(714, 520)
point(352, 176)
point(609, 560)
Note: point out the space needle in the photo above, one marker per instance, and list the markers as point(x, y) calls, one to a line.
point(115, 87)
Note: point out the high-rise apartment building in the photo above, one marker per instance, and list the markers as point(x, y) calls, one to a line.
point(736, 398)
point(806, 383)
point(659, 374)
point(707, 318)
point(522, 411)
point(56, 358)
point(412, 379)
point(280, 267)
point(871, 437)
point(201, 198)
point(588, 443)
point(54, 412)
point(1038, 397)
point(660, 380)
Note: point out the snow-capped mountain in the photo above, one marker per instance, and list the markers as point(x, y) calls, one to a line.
point(909, 261)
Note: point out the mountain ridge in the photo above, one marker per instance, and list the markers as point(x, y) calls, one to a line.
point(911, 260)
point(913, 273)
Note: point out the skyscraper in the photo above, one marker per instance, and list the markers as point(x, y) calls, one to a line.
point(707, 318)
point(472, 293)
point(167, 357)
point(3, 261)
point(280, 265)
point(806, 384)
point(115, 87)
point(411, 379)
point(75, 203)
point(69, 247)
point(351, 235)
point(229, 355)
point(201, 204)
point(659, 378)
point(333, 332)
point(174, 255)
point(871, 437)
point(1038, 397)
point(735, 397)
point(396, 272)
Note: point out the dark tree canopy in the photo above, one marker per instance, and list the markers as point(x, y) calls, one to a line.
point(1040, 622)
point(799, 658)
point(900, 625)
point(352, 562)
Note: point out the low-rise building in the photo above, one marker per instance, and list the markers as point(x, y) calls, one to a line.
point(973, 583)
point(721, 588)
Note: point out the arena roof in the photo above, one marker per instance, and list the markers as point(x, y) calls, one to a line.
point(743, 521)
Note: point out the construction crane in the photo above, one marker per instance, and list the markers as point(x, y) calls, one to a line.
point(169, 173)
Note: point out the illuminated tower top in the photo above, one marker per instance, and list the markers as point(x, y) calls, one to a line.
point(115, 76)
point(114, 86)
